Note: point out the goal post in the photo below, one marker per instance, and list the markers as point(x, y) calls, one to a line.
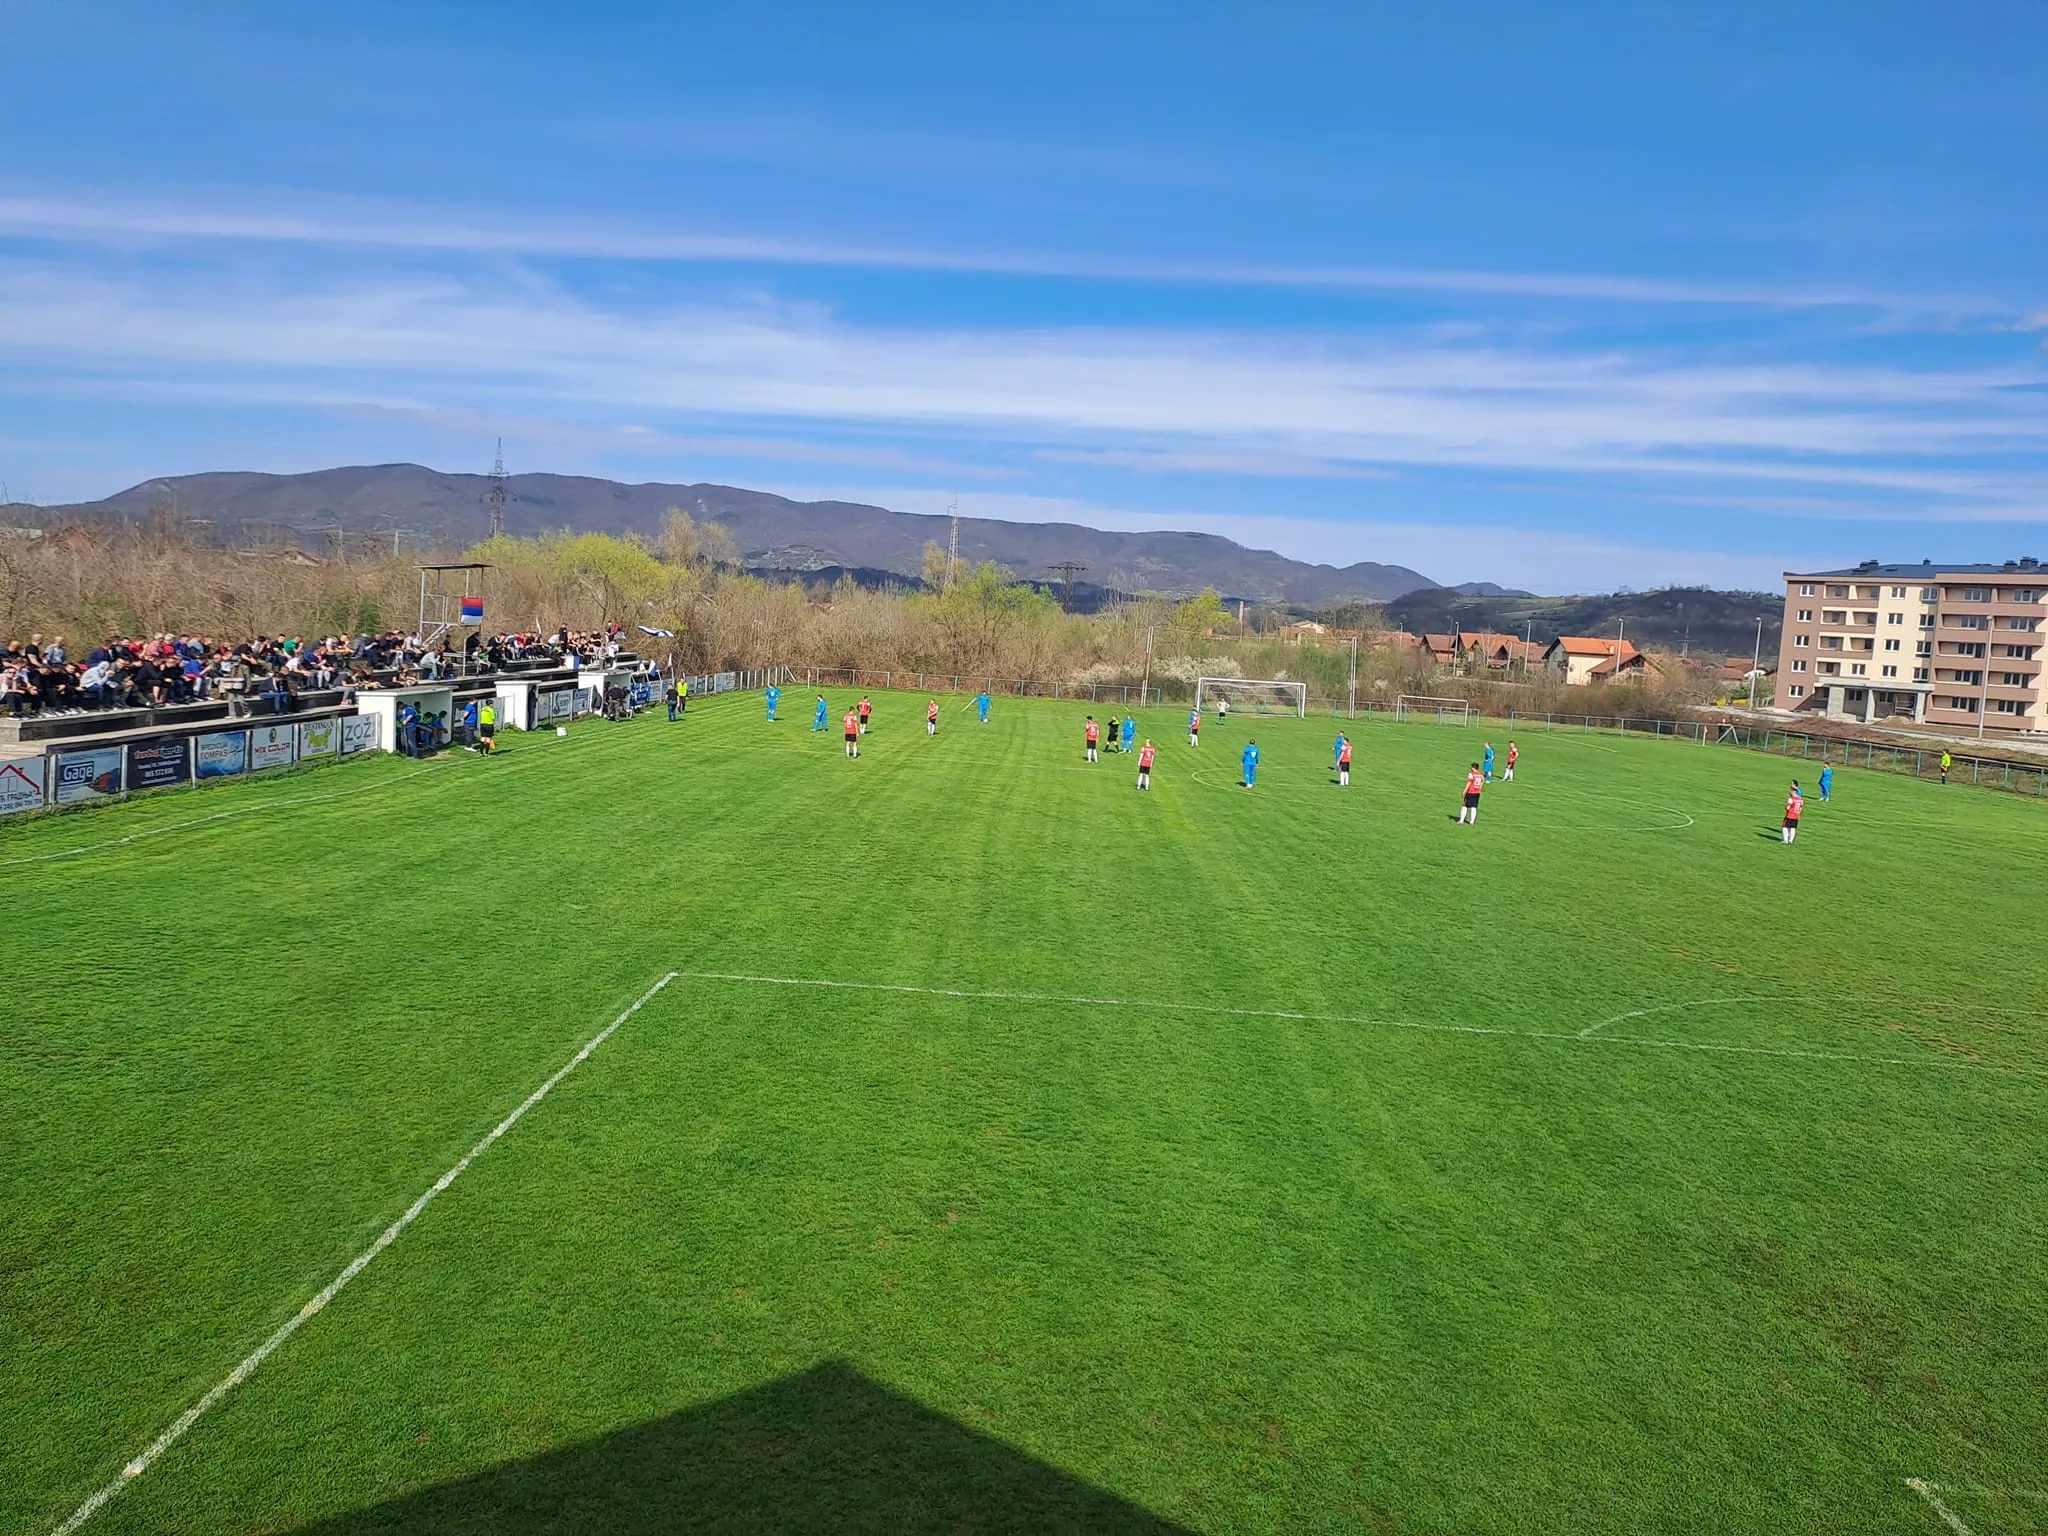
point(1417, 706)
point(1252, 695)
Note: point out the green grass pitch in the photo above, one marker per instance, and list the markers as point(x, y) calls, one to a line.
point(1285, 1160)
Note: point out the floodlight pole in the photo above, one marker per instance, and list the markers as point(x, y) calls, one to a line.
point(1352, 707)
point(1756, 657)
point(1145, 688)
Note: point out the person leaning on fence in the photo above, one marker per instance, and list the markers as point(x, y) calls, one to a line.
point(1946, 762)
point(408, 729)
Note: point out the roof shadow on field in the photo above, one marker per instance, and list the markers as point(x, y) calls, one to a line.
point(825, 1450)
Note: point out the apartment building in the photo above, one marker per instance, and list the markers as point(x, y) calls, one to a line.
point(1955, 647)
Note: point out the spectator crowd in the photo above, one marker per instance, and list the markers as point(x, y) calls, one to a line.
point(46, 677)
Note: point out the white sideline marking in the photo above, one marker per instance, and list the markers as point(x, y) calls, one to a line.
point(969, 995)
point(521, 761)
point(1702, 1002)
point(1949, 1517)
point(356, 1266)
point(182, 826)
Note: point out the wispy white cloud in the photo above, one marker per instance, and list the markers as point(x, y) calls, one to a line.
point(1194, 399)
point(398, 227)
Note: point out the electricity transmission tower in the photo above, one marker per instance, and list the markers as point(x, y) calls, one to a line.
point(952, 543)
point(499, 493)
point(1068, 570)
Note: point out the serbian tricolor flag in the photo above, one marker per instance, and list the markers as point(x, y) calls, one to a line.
point(472, 610)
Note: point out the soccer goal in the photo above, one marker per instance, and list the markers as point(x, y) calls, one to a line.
point(1252, 695)
point(1416, 706)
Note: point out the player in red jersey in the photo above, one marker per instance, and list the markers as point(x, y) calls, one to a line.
point(1795, 806)
point(1145, 764)
point(1094, 734)
point(1475, 781)
point(865, 709)
point(1343, 761)
point(1513, 753)
point(931, 718)
point(852, 734)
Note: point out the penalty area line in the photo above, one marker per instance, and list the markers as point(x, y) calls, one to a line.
point(333, 1288)
point(1575, 1037)
point(1698, 1002)
point(1949, 1517)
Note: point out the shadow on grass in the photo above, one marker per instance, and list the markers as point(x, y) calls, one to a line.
point(826, 1450)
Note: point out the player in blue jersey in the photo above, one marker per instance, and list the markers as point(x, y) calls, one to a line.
point(981, 706)
point(774, 697)
point(1827, 782)
point(1251, 763)
point(1486, 763)
point(1194, 727)
point(1130, 734)
point(818, 724)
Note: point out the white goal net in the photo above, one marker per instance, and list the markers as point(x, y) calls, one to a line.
point(1415, 706)
point(1251, 695)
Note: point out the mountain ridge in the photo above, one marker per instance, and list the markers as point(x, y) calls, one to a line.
point(399, 499)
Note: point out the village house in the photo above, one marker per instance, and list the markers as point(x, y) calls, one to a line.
point(1498, 652)
point(1582, 659)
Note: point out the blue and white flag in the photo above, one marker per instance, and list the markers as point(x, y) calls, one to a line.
point(666, 634)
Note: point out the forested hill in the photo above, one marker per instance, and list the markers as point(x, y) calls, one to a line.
point(434, 510)
point(1694, 618)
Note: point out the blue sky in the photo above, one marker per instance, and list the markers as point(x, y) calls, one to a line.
point(1560, 297)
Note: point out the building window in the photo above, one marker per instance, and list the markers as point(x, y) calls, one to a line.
point(1831, 642)
point(1801, 642)
point(2017, 652)
point(2026, 624)
point(1862, 643)
point(1923, 647)
point(1829, 669)
point(2026, 595)
point(1970, 594)
point(1796, 691)
point(1966, 648)
point(1857, 669)
point(1895, 618)
point(1838, 591)
point(1891, 645)
point(1806, 616)
point(2009, 706)
point(1891, 672)
point(1968, 620)
point(1927, 621)
point(2013, 679)
point(1806, 589)
point(1798, 666)
point(1963, 702)
point(1972, 678)
point(1898, 591)
point(1919, 674)
point(1834, 616)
